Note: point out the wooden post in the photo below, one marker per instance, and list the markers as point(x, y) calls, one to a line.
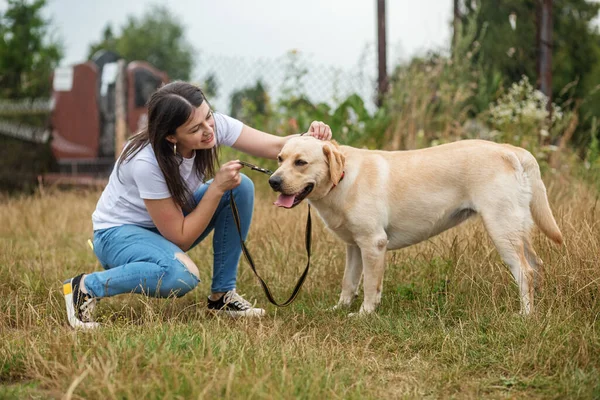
point(455, 25)
point(120, 108)
point(545, 61)
point(382, 80)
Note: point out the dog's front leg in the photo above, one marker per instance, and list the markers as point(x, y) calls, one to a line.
point(352, 275)
point(373, 258)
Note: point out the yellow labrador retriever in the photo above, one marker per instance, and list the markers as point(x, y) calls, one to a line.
point(384, 200)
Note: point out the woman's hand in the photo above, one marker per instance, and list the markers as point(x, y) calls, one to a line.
point(319, 130)
point(228, 177)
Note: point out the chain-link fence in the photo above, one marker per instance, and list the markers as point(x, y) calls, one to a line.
point(292, 73)
point(25, 119)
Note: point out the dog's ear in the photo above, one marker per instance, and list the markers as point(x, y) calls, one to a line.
point(335, 160)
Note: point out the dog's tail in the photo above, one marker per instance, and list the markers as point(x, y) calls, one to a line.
point(539, 206)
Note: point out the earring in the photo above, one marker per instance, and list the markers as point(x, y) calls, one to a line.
point(174, 148)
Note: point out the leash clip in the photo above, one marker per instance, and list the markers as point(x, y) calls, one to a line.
point(256, 168)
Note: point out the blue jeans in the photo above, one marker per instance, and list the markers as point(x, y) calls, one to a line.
point(141, 260)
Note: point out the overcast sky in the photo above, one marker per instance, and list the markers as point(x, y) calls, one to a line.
point(329, 31)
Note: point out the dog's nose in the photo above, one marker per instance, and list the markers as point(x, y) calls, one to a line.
point(275, 182)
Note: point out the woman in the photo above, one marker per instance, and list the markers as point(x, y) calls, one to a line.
point(156, 206)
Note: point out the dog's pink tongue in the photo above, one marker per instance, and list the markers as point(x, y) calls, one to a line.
point(284, 201)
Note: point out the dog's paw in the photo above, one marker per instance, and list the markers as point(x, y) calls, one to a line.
point(359, 314)
point(340, 306)
point(364, 311)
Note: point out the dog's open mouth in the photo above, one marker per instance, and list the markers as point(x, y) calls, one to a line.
point(292, 200)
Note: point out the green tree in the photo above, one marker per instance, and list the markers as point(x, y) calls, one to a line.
point(513, 51)
point(28, 52)
point(509, 47)
point(210, 87)
point(157, 37)
point(576, 63)
point(252, 105)
point(254, 97)
point(576, 44)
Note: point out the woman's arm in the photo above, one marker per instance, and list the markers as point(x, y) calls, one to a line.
point(262, 144)
point(183, 231)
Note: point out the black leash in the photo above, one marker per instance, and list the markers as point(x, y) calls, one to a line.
point(236, 217)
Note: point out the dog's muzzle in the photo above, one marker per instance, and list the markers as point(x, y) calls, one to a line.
point(275, 182)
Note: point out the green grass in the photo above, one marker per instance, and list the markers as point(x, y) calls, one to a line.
point(448, 325)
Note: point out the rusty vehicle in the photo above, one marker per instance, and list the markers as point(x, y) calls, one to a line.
point(96, 105)
point(75, 134)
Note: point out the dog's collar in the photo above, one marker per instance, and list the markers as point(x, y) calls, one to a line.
point(341, 177)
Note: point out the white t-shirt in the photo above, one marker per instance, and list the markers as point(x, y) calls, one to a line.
point(140, 178)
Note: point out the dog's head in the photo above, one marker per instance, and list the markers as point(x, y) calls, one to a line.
point(308, 168)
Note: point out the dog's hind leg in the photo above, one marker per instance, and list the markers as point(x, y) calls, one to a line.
point(507, 233)
point(352, 275)
point(536, 263)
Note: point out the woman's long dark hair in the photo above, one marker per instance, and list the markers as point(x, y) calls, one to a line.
point(168, 108)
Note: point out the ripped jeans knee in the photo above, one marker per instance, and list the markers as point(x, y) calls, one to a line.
point(180, 277)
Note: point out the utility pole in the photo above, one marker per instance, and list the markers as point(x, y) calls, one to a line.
point(455, 25)
point(382, 80)
point(545, 49)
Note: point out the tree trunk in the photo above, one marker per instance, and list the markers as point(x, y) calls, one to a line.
point(382, 81)
point(455, 25)
point(545, 43)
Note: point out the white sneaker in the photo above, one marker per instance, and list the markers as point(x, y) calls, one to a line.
point(234, 305)
point(80, 306)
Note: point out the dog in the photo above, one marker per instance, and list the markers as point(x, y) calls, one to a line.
point(376, 201)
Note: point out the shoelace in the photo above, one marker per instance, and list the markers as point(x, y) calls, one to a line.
point(87, 308)
point(238, 301)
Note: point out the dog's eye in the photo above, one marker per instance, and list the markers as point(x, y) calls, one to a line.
point(300, 163)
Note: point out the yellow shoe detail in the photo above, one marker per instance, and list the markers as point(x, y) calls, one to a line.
point(67, 289)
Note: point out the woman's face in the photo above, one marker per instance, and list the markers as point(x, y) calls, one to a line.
point(197, 133)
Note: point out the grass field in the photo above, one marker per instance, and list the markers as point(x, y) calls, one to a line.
point(448, 325)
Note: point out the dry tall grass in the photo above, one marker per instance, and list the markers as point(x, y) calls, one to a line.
point(448, 325)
